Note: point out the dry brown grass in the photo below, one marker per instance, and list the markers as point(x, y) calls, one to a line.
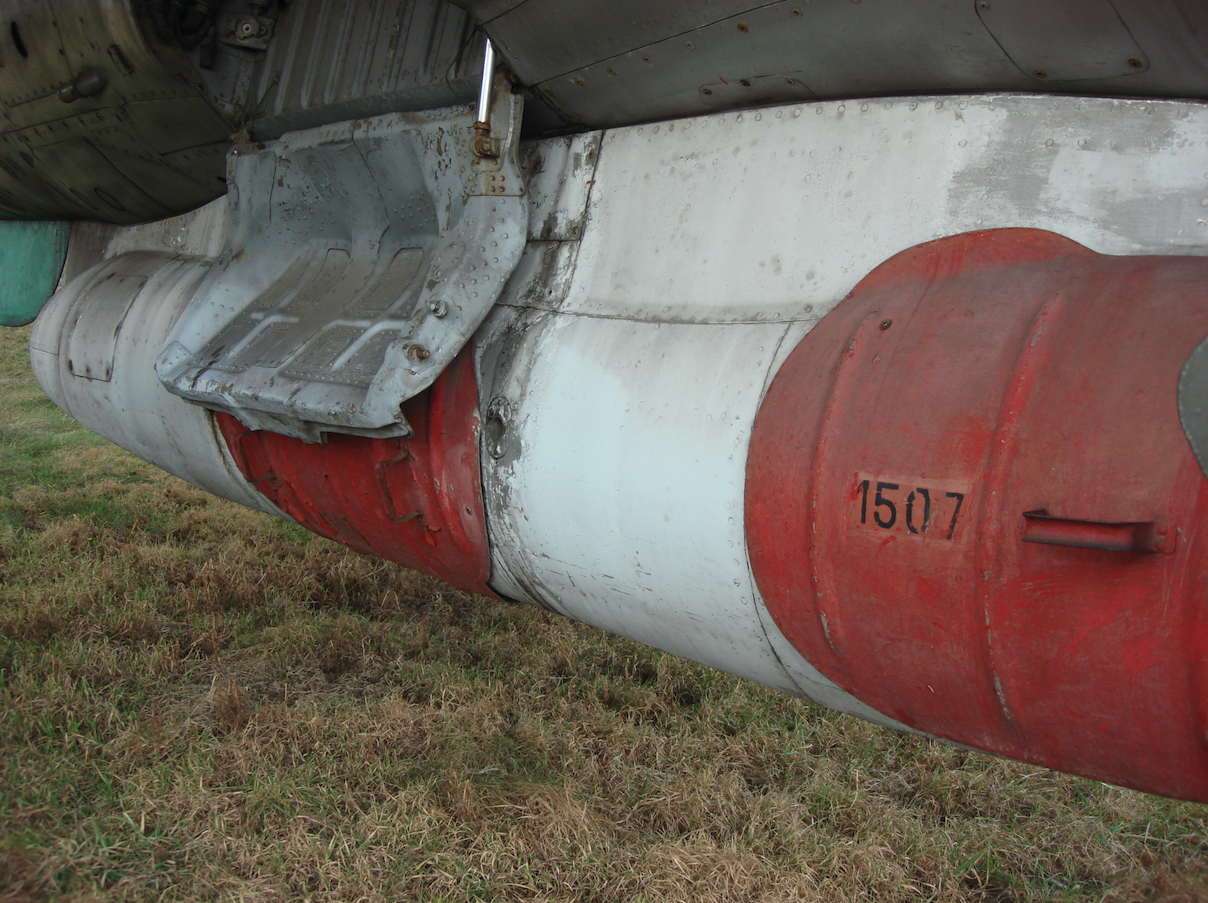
point(201, 704)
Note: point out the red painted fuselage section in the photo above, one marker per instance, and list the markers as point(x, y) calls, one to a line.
point(414, 501)
point(971, 504)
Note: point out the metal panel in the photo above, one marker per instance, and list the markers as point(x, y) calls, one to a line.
point(1073, 40)
point(330, 61)
point(603, 64)
point(131, 408)
point(774, 214)
point(971, 504)
point(31, 259)
point(109, 155)
point(319, 316)
point(1193, 402)
point(415, 501)
point(623, 436)
point(543, 39)
point(560, 174)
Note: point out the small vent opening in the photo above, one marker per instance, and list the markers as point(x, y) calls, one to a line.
point(17, 42)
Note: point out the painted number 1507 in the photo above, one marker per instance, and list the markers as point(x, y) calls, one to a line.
point(903, 506)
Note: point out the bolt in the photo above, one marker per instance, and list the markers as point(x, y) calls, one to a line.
point(418, 353)
point(885, 324)
point(438, 307)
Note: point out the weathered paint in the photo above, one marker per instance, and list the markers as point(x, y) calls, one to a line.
point(93, 350)
point(416, 501)
point(360, 259)
point(623, 369)
point(31, 259)
point(970, 503)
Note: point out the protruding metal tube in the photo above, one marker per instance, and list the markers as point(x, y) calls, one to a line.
point(488, 77)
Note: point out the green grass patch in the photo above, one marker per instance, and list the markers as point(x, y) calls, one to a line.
point(203, 703)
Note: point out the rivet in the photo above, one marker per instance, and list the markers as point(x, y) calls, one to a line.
point(1136, 64)
point(885, 324)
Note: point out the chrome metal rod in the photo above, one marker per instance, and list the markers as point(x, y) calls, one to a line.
point(488, 73)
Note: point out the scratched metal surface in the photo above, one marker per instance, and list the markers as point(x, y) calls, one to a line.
point(361, 258)
point(621, 379)
point(330, 61)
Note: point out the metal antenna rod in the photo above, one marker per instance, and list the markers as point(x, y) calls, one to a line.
point(488, 74)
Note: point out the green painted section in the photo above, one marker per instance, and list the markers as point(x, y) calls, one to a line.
point(31, 259)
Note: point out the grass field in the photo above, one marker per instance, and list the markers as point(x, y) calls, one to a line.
point(201, 703)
